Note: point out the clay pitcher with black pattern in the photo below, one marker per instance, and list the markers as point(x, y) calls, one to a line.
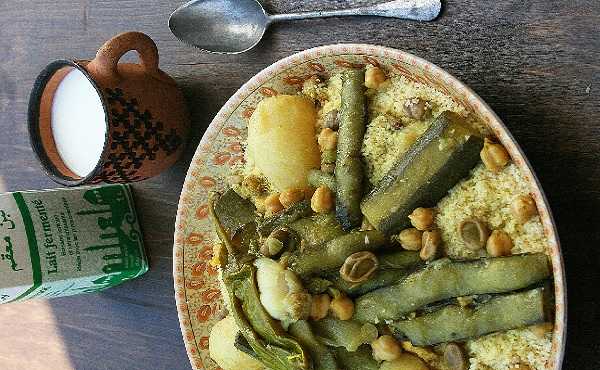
point(147, 123)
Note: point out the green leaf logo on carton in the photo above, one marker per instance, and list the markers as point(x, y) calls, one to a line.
point(117, 226)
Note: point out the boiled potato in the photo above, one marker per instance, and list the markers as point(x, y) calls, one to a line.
point(406, 361)
point(222, 350)
point(282, 142)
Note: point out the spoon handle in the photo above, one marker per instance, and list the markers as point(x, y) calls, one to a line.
point(419, 10)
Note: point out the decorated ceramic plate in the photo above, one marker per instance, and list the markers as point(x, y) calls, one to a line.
point(221, 152)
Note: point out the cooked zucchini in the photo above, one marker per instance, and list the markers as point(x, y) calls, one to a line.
point(322, 356)
point(443, 155)
point(286, 217)
point(334, 253)
point(445, 279)
point(454, 323)
point(349, 172)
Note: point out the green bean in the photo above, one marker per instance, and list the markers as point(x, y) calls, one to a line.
point(445, 279)
point(237, 230)
point(455, 323)
point(322, 356)
point(393, 267)
point(361, 359)
point(236, 244)
point(349, 174)
point(317, 230)
point(233, 211)
point(318, 178)
point(402, 260)
point(344, 333)
point(286, 217)
point(334, 253)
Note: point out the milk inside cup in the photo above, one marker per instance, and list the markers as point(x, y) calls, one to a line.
point(71, 127)
point(78, 123)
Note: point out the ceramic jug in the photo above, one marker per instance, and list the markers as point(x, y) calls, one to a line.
point(147, 122)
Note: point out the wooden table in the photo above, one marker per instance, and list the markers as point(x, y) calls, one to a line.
point(536, 62)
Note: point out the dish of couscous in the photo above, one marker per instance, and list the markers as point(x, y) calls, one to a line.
point(376, 223)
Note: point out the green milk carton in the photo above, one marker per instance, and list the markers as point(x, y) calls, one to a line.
point(62, 242)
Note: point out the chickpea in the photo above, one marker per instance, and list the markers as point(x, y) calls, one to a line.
point(342, 307)
point(254, 184)
point(327, 139)
point(494, 156)
point(374, 77)
point(322, 200)
point(499, 244)
point(406, 361)
point(291, 196)
point(273, 204)
point(422, 218)
point(432, 242)
point(320, 306)
point(523, 208)
point(386, 348)
point(411, 239)
point(415, 108)
point(454, 357)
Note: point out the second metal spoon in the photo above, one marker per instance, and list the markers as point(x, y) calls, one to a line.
point(236, 26)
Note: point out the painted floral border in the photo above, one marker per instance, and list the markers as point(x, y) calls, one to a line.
point(197, 292)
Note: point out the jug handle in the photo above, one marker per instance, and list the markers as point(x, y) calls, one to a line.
point(108, 56)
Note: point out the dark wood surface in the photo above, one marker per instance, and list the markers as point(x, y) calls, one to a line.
point(536, 62)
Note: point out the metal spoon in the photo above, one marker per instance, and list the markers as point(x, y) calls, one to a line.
point(236, 26)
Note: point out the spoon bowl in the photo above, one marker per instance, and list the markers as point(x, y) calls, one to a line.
point(236, 26)
point(220, 26)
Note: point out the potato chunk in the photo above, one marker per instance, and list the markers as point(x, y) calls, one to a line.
point(222, 338)
point(282, 142)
